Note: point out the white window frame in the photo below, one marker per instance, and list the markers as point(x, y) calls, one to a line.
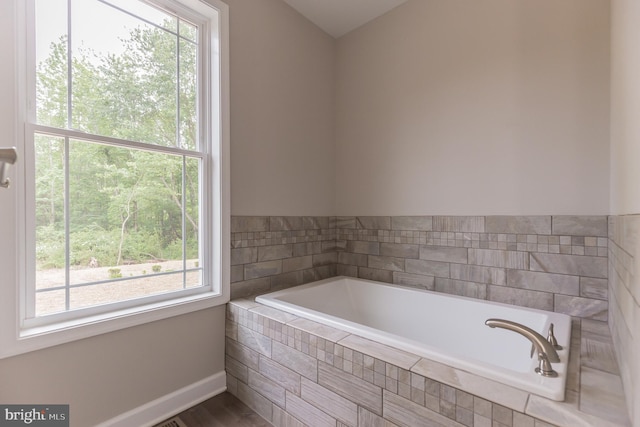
point(19, 334)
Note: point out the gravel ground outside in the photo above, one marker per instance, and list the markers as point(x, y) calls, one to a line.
point(140, 281)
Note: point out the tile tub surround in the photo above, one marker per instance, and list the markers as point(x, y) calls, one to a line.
point(276, 252)
point(296, 372)
point(554, 263)
point(624, 296)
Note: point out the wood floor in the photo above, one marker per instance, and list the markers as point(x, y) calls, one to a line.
point(223, 410)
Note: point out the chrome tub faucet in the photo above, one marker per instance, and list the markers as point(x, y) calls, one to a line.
point(546, 350)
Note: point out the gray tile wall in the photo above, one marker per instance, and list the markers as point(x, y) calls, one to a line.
point(624, 300)
point(276, 252)
point(556, 263)
point(569, 264)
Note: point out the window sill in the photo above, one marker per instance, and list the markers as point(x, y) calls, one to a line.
point(37, 338)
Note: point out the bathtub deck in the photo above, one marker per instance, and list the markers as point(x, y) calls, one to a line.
point(363, 308)
point(313, 359)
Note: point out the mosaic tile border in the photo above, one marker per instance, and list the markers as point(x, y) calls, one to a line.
point(568, 245)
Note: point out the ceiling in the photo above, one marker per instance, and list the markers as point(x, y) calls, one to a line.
point(338, 17)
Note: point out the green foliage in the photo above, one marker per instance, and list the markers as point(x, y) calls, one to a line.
point(50, 252)
point(124, 205)
point(156, 268)
point(114, 273)
point(90, 242)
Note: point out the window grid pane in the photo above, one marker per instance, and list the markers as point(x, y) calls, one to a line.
point(51, 62)
point(118, 62)
point(109, 217)
point(132, 217)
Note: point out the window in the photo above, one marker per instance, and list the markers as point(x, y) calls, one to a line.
point(125, 162)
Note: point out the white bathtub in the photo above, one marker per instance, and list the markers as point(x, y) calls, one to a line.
point(444, 328)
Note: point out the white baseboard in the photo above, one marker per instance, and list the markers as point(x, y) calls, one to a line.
point(158, 410)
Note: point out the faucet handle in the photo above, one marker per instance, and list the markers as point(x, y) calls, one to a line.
point(544, 366)
point(533, 350)
point(552, 339)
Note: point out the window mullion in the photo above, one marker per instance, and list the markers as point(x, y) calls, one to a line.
point(179, 143)
point(67, 251)
point(184, 223)
point(69, 67)
point(27, 291)
point(178, 138)
point(107, 140)
point(67, 240)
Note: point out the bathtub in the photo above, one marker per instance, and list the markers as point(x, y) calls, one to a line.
point(440, 327)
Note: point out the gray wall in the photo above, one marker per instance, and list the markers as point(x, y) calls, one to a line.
point(624, 228)
point(281, 99)
point(498, 107)
point(104, 376)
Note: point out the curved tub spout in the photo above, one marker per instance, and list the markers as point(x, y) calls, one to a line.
point(542, 346)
